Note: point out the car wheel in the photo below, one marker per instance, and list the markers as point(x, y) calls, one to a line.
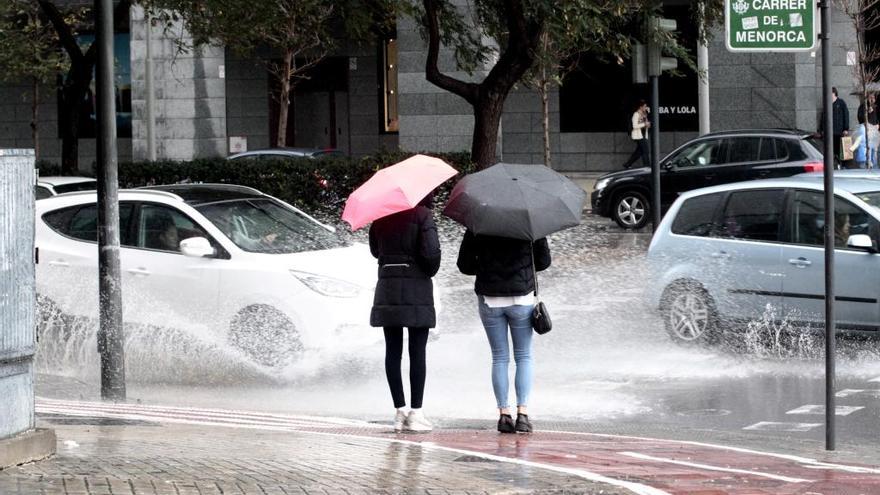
point(265, 335)
point(631, 210)
point(689, 314)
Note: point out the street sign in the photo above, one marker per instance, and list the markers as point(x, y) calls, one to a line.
point(770, 25)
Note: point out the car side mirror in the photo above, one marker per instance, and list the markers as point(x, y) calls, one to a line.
point(196, 247)
point(668, 165)
point(861, 241)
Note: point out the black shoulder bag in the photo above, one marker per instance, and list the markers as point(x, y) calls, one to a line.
point(541, 321)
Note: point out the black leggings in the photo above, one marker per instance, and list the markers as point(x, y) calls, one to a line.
point(418, 339)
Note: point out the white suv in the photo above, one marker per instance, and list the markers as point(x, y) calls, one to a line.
point(251, 269)
point(725, 254)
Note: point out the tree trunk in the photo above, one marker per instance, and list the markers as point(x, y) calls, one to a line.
point(487, 117)
point(284, 99)
point(71, 103)
point(35, 135)
point(545, 117)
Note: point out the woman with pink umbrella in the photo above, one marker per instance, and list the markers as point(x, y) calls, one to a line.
point(403, 238)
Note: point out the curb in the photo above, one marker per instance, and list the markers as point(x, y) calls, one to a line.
point(29, 446)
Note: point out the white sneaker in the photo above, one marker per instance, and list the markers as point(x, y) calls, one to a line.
point(416, 422)
point(399, 420)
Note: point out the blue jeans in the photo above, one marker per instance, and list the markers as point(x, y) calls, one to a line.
point(496, 321)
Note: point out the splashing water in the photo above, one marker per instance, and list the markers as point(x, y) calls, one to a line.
point(608, 344)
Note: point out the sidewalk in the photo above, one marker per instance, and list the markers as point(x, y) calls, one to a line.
point(136, 449)
point(134, 458)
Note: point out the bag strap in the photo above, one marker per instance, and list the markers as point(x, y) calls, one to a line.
point(534, 272)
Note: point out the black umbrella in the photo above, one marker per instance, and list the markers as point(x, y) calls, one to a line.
point(520, 201)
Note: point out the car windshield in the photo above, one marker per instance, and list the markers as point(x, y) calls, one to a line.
point(266, 226)
point(88, 185)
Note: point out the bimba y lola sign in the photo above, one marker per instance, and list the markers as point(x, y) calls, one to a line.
point(770, 25)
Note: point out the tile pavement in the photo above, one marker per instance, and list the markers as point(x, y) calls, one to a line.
point(149, 458)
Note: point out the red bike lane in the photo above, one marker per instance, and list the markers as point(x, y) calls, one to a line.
point(656, 466)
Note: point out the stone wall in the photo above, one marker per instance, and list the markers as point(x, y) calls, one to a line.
point(190, 96)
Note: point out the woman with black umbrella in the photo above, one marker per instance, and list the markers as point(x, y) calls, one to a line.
point(505, 285)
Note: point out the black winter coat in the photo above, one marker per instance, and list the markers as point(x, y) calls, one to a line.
point(503, 266)
point(408, 251)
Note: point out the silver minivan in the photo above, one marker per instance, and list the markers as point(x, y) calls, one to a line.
point(731, 253)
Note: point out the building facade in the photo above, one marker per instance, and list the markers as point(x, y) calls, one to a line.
point(371, 96)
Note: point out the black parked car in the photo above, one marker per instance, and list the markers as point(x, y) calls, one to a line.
point(711, 159)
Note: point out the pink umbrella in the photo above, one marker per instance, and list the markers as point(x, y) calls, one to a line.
point(396, 188)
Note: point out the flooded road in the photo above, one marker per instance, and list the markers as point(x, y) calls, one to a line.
point(607, 364)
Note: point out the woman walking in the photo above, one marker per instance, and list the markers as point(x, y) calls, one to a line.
point(639, 134)
point(505, 284)
point(408, 251)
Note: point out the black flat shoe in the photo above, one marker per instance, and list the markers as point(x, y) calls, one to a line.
point(505, 424)
point(523, 425)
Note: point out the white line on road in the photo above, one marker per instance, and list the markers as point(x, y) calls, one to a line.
point(812, 463)
point(779, 426)
point(714, 468)
point(125, 412)
point(817, 409)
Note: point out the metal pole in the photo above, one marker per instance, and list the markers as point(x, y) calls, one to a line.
point(827, 127)
point(148, 87)
point(110, 338)
point(703, 85)
point(655, 150)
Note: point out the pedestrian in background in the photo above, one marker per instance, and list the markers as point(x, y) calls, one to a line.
point(859, 146)
point(839, 119)
point(408, 250)
point(639, 134)
point(505, 286)
point(868, 111)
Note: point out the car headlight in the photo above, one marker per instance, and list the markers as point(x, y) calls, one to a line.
point(601, 184)
point(327, 286)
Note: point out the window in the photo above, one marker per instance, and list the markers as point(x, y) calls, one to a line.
point(389, 85)
point(41, 192)
point(807, 224)
point(163, 228)
point(697, 216)
point(744, 149)
point(81, 222)
point(702, 153)
point(755, 215)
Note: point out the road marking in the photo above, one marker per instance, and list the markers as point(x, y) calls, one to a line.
point(820, 409)
point(140, 412)
point(848, 391)
point(714, 468)
point(780, 426)
point(808, 462)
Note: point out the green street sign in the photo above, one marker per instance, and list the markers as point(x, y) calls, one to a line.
point(771, 25)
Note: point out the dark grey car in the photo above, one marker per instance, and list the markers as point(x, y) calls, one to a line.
point(709, 160)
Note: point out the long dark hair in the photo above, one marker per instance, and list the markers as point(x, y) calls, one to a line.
point(428, 201)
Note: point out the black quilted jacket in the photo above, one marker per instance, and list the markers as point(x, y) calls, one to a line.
point(503, 266)
point(408, 251)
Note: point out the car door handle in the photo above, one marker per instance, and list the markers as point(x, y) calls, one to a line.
point(59, 263)
point(139, 271)
point(721, 255)
point(800, 262)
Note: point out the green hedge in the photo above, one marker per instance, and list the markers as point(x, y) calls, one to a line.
point(314, 183)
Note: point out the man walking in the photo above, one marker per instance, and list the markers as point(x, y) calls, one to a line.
point(839, 119)
point(639, 135)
